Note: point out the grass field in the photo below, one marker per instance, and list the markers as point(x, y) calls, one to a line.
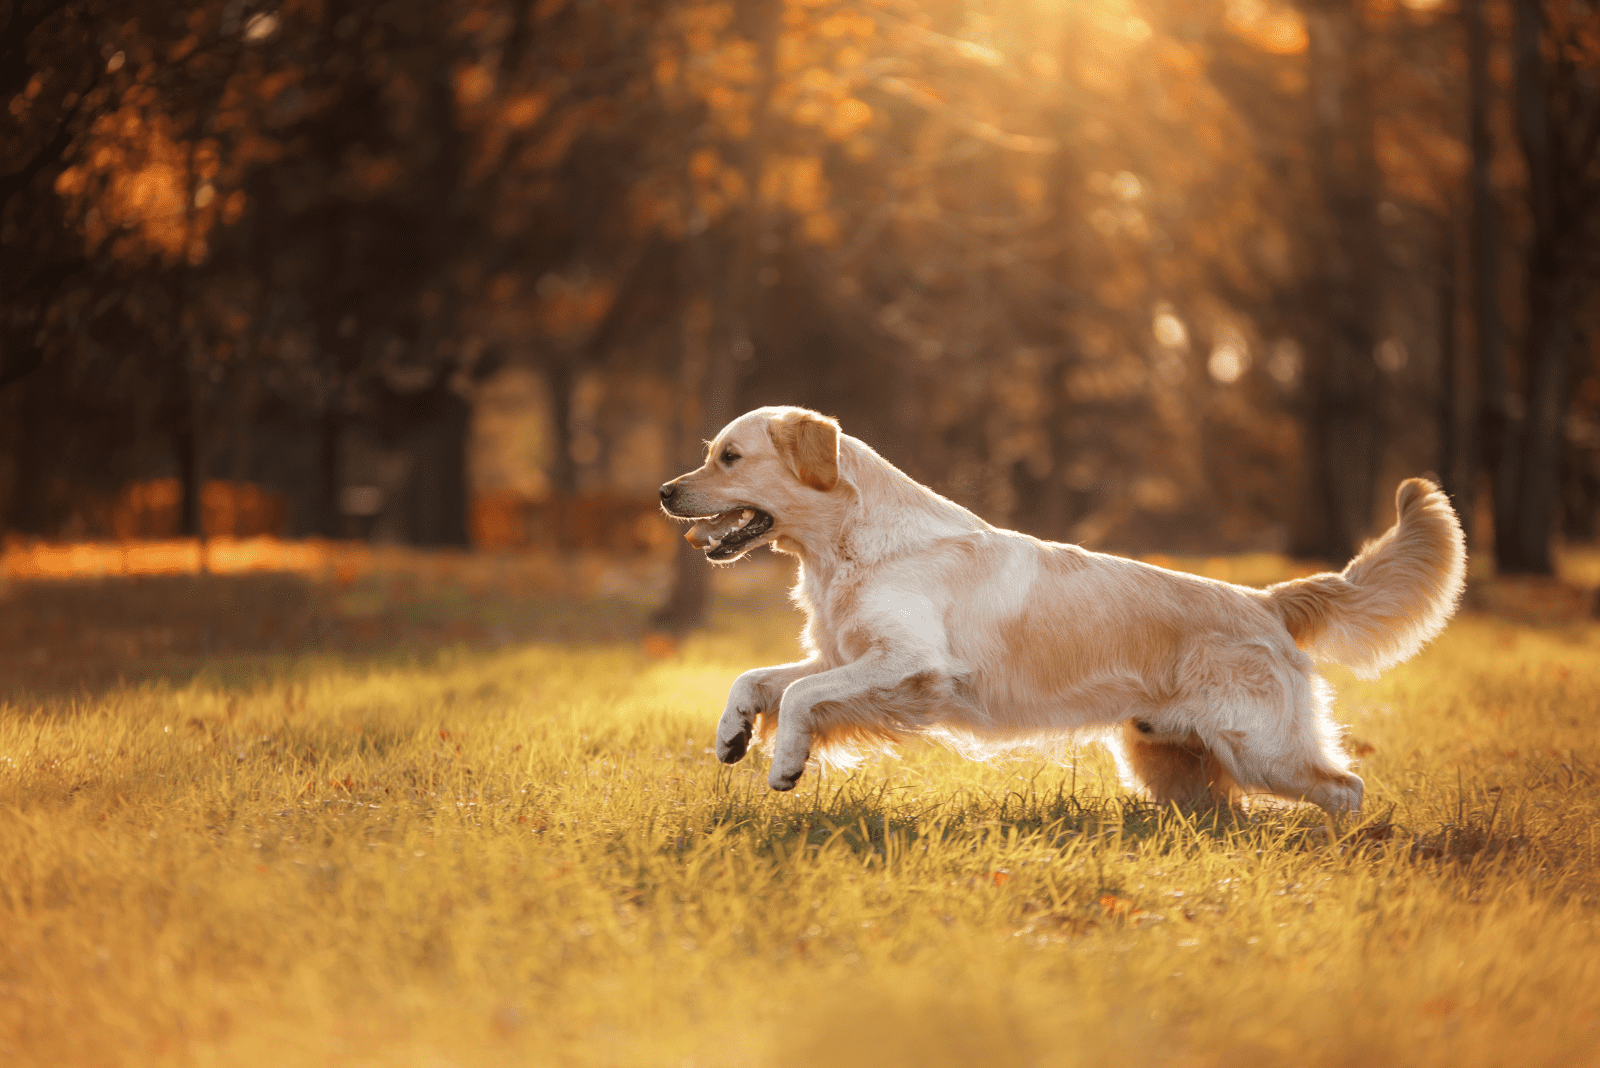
point(451, 820)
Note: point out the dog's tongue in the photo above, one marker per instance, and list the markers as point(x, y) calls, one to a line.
point(708, 533)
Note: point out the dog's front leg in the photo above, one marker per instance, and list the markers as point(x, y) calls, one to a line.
point(754, 692)
point(853, 683)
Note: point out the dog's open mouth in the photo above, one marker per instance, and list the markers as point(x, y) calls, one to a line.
point(724, 536)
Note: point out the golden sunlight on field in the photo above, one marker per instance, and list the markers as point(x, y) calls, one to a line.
point(175, 556)
point(457, 817)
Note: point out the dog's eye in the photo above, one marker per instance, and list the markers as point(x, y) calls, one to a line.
point(728, 456)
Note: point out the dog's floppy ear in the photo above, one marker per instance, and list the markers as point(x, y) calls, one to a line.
point(809, 443)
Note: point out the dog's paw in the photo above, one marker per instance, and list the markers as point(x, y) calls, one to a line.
point(731, 748)
point(787, 767)
point(734, 730)
point(784, 780)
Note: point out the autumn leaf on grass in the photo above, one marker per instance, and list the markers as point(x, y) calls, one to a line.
point(1117, 908)
point(993, 878)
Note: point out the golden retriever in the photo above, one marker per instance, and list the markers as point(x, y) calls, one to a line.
point(922, 619)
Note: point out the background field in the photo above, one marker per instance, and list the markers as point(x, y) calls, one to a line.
point(465, 812)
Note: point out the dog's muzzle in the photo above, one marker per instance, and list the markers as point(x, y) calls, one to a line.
point(726, 535)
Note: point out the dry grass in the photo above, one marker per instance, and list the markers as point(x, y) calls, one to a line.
point(441, 821)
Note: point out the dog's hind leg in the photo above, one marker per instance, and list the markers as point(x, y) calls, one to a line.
point(1184, 773)
point(1296, 756)
point(1304, 775)
point(1330, 789)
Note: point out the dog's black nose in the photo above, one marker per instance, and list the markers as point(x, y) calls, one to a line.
point(667, 491)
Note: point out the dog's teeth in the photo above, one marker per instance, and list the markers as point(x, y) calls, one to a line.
point(746, 516)
point(715, 542)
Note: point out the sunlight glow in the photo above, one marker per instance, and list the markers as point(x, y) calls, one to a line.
point(1170, 331)
point(1391, 354)
point(261, 26)
point(1271, 28)
point(1283, 366)
point(1228, 362)
point(1126, 185)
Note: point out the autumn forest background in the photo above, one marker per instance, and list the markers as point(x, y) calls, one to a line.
point(1192, 276)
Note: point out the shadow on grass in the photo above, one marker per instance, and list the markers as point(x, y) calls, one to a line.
point(870, 821)
point(66, 640)
point(868, 818)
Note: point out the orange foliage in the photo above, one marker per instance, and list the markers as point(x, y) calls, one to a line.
point(1278, 29)
point(231, 509)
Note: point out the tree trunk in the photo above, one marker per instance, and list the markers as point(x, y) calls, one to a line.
point(1498, 452)
point(328, 518)
point(241, 446)
point(1343, 443)
point(30, 508)
point(1525, 547)
point(199, 463)
point(1457, 407)
point(186, 454)
point(563, 468)
point(717, 328)
point(689, 600)
point(10, 449)
point(436, 503)
point(1043, 505)
point(1524, 528)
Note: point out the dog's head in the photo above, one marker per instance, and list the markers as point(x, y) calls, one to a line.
point(762, 476)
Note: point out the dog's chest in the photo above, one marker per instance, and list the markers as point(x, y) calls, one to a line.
point(833, 605)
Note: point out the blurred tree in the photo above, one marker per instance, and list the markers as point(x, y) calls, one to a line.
point(63, 79)
point(1557, 49)
point(1343, 448)
point(47, 104)
point(1494, 422)
point(725, 227)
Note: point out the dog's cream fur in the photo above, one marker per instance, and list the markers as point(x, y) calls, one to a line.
point(922, 619)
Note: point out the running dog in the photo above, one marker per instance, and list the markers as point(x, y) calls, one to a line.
point(922, 619)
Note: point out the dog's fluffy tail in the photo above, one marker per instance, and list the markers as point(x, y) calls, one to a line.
point(1392, 598)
